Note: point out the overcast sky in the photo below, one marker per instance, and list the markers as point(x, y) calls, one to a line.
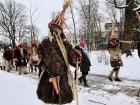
point(44, 13)
point(46, 8)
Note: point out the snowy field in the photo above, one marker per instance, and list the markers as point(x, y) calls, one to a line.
point(21, 90)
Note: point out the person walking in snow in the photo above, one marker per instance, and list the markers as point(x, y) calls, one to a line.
point(115, 56)
point(20, 54)
point(136, 39)
point(2, 61)
point(32, 56)
point(8, 57)
point(55, 83)
point(85, 62)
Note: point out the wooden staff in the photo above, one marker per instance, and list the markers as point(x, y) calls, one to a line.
point(76, 82)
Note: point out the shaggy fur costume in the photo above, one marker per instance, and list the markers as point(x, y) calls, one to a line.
point(54, 65)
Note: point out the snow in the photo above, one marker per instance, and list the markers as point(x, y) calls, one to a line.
point(17, 90)
point(21, 89)
point(129, 70)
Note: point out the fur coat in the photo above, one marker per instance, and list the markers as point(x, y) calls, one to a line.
point(21, 59)
point(115, 53)
point(53, 65)
point(8, 54)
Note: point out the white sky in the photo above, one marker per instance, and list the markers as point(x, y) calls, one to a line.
point(47, 7)
point(46, 10)
point(44, 13)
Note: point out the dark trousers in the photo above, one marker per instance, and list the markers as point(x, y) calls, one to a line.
point(83, 77)
point(2, 67)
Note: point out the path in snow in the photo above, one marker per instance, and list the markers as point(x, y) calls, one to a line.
point(102, 88)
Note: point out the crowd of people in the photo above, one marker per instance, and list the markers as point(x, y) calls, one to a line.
point(18, 57)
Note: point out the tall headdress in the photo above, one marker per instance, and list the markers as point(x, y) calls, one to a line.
point(113, 34)
point(33, 42)
point(58, 22)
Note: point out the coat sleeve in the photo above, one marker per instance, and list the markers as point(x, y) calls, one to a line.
point(73, 54)
point(39, 51)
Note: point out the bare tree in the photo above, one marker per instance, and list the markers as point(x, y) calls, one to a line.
point(74, 25)
point(114, 15)
point(130, 19)
point(33, 18)
point(28, 31)
point(11, 18)
point(90, 22)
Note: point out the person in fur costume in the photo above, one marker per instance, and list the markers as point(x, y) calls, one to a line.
point(136, 39)
point(55, 54)
point(8, 56)
point(20, 54)
point(32, 56)
point(2, 61)
point(115, 56)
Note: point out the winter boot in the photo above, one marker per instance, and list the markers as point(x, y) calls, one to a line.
point(85, 82)
point(117, 79)
point(1, 67)
point(80, 80)
point(110, 78)
point(86, 85)
point(8, 70)
point(4, 68)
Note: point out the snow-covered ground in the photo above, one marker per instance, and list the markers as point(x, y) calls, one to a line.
point(21, 90)
point(129, 70)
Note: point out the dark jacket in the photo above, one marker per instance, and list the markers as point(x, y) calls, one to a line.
point(21, 60)
point(8, 54)
point(85, 64)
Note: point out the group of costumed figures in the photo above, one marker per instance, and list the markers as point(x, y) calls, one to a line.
point(54, 55)
point(20, 57)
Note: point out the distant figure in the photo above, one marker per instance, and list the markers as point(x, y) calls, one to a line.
point(2, 61)
point(115, 57)
point(33, 57)
point(128, 53)
point(8, 56)
point(21, 56)
point(136, 39)
point(85, 62)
